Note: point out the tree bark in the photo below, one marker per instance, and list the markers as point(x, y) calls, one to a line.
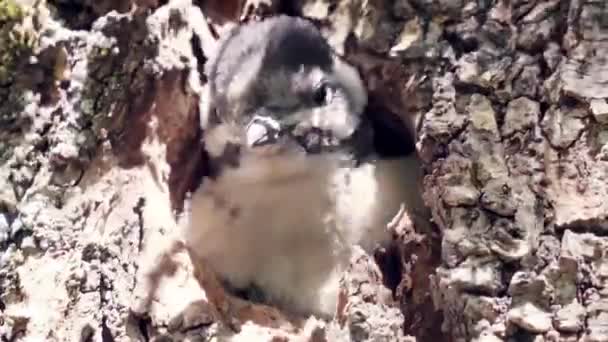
point(100, 144)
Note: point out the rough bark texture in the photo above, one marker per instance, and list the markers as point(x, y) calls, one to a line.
point(100, 142)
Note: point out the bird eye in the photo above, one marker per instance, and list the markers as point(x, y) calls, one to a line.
point(321, 94)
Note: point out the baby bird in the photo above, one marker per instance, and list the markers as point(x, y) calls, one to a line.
point(294, 181)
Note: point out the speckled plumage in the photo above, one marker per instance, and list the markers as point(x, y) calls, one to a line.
point(284, 216)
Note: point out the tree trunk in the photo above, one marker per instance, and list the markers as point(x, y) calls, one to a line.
point(100, 143)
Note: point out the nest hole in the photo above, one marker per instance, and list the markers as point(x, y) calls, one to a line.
point(393, 137)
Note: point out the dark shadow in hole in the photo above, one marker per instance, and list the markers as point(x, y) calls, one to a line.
point(252, 293)
point(391, 267)
point(523, 336)
point(106, 334)
point(420, 245)
point(392, 137)
point(290, 7)
point(77, 16)
point(87, 333)
point(197, 49)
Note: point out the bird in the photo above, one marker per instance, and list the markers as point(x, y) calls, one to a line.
point(294, 183)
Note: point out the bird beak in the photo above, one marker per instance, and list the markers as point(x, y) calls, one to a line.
point(262, 130)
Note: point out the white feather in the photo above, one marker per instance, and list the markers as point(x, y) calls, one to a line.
point(295, 220)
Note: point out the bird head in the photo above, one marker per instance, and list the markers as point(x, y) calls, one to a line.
point(282, 89)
